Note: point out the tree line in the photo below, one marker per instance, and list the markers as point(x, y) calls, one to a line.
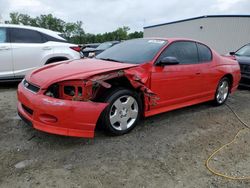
point(72, 31)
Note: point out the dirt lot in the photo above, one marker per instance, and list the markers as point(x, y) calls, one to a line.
point(167, 150)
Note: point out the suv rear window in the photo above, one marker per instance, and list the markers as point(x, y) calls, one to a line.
point(19, 35)
point(48, 38)
point(3, 35)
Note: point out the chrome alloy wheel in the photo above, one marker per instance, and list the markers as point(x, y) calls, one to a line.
point(123, 113)
point(222, 91)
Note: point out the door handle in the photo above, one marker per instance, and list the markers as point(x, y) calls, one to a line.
point(4, 48)
point(198, 73)
point(47, 48)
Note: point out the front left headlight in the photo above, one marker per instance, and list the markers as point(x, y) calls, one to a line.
point(68, 90)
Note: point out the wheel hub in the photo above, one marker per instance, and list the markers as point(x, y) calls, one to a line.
point(222, 92)
point(123, 112)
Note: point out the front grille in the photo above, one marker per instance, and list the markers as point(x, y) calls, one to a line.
point(30, 86)
point(27, 109)
point(245, 68)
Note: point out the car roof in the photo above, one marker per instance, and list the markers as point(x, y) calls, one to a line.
point(173, 39)
point(42, 30)
point(115, 41)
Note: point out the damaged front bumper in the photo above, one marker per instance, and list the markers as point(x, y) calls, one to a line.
point(58, 116)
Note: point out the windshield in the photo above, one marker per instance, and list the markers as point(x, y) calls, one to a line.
point(244, 51)
point(135, 51)
point(104, 46)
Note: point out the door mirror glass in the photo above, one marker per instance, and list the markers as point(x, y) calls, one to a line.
point(168, 61)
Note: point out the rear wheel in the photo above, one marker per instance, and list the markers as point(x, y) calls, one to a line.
point(222, 91)
point(123, 112)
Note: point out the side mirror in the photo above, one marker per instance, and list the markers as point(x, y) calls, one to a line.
point(168, 61)
point(232, 53)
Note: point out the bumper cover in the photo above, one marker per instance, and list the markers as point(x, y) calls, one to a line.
point(70, 118)
point(245, 80)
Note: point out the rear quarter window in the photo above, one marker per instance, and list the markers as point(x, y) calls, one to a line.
point(48, 38)
point(205, 54)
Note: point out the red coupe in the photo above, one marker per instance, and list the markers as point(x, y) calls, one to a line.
point(134, 79)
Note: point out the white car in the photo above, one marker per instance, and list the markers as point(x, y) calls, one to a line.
point(24, 48)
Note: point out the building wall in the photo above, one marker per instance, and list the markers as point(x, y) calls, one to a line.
point(224, 34)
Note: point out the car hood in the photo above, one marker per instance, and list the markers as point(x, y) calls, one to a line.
point(243, 59)
point(71, 70)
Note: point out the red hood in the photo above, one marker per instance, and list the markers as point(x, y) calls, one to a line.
point(70, 70)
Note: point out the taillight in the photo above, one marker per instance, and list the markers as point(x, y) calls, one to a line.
point(76, 48)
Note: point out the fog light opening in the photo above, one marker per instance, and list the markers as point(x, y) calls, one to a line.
point(46, 118)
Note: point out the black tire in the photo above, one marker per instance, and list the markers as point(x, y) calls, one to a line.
point(224, 95)
point(111, 97)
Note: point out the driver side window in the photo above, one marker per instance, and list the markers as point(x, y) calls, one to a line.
point(185, 52)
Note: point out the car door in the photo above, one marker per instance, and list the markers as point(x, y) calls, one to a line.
point(6, 66)
point(181, 83)
point(27, 50)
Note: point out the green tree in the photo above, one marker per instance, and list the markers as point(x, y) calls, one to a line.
point(72, 31)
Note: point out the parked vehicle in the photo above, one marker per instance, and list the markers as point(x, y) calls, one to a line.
point(92, 52)
point(92, 45)
point(134, 79)
point(24, 48)
point(242, 55)
point(86, 48)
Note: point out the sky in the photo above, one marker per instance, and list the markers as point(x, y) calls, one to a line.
point(99, 16)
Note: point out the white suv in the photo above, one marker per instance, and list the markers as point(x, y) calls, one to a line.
point(24, 48)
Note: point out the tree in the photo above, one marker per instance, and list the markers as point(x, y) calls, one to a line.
point(50, 22)
point(72, 31)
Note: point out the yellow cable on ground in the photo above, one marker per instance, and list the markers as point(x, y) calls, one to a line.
point(225, 145)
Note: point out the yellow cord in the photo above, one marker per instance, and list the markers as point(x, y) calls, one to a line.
point(225, 145)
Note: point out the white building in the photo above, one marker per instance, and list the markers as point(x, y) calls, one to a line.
point(224, 33)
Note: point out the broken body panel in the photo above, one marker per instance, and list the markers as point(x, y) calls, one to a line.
point(76, 114)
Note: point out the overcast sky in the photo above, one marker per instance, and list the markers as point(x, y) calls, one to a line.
point(100, 16)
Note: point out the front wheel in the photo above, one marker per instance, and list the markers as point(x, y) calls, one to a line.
point(123, 111)
point(222, 91)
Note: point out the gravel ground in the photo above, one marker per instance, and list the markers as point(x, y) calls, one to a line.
point(167, 150)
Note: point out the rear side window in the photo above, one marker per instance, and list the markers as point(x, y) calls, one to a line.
point(205, 53)
point(3, 35)
point(18, 35)
point(184, 51)
point(48, 38)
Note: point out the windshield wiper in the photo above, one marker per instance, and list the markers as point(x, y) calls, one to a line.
point(109, 59)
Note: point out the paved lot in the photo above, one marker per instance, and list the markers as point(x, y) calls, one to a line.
point(167, 150)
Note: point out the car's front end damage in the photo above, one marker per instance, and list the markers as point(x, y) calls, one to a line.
point(72, 106)
point(58, 115)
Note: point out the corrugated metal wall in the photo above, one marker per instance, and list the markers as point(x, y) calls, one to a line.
point(224, 34)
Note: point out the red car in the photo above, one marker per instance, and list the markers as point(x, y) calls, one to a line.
point(134, 79)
